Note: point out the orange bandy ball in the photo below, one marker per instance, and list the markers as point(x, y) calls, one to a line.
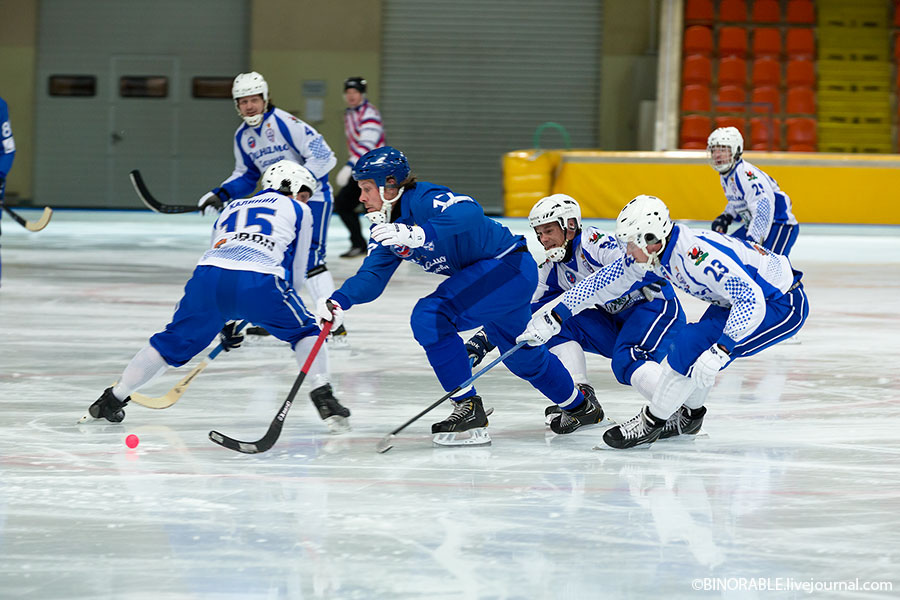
point(132, 441)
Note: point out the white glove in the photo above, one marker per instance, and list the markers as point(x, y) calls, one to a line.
point(397, 234)
point(207, 204)
point(708, 365)
point(329, 310)
point(343, 176)
point(543, 325)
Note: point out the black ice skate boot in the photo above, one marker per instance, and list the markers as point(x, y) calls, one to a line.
point(685, 421)
point(644, 428)
point(587, 413)
point(330, 410)
point(109, 407)
point(467, 416)
point(551, 411)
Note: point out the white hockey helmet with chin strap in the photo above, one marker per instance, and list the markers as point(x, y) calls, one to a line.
point(725, 137)
point(644, 221)
point(561, 209)
point(288, 175)
point(250, 84)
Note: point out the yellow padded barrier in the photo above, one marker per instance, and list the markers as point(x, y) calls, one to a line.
point(824, 188)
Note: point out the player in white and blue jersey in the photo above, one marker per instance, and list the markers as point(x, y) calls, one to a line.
point(756, 298)
point(267, 136)
point(257, 255)
point(491, 278)
point(754, 198)
point(7, 149)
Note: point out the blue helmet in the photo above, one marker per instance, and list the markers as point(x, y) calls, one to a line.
point(381, 163)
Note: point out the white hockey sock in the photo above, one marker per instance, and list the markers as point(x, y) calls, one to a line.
point(318, 371)
point(146, 366)
point(697, 398)
point(671, 392)
point(645, 378)
point(571, 355)
point(320, 286)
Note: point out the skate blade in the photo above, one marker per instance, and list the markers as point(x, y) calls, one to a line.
point(606, 422)
point(475, 437)
point(85, 419)
point(337, 425)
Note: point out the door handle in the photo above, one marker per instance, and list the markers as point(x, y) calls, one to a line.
point(117, 136)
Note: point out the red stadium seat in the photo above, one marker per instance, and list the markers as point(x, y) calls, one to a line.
point(766, 71)
point(696, 69)
point(731, 99)
point(801, 101)
point(732, 11)
point(738, 122)
point(698, 40)
point(800, 43)
point(765, 11)
point(694, 130)
point(733, 71)
point(698, 11)
point(766, 43)
point(733, 41)
point(695, 98)
point(766, 100)
point(801, 148)
point(765, 134)
point(801, 73)
point(801, 131)
point(801, 12)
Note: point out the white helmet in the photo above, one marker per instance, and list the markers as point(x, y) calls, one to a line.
point(250, 84)
point(644, 221)
point(286, 174)
point(560, 209)
point(727, 137)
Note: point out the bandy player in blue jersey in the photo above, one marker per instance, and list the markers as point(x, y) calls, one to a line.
point(7, 149)
point(490, 280)
point(267, 136)
point(754, 198)
point(258, 252)
point(756, 300)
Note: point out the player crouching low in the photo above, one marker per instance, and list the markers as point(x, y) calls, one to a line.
point(259, 247)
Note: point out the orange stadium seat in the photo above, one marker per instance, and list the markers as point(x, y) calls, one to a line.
point(801, 73)
point(800, 43)
point(766, 42)
point(801, 134)
point(738, 122)
point(694, 131)
point(698, 40)
point(896, 15)
point(698, 11)
point(695, 98)
point(766, 71)
point(731, 99)
point(733, 71)
point(733, 11)
point(801, 101)
point(733, 41)
point(801, 12)
point(766, 100)
point(765, 11)
point(696, 69)
point(765, 133)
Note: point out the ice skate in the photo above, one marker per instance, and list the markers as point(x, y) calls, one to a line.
point(642, 429)
point(330, 410)
point(685, 421)
point(466, 425)
point(108, 407)
point(551, 411)
point(587, 413)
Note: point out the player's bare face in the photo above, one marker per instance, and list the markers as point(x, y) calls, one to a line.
point(251, 106)
point(353, 97)
point(720, 155)
point(550, 235)
point(371, 197)
point(638, 254)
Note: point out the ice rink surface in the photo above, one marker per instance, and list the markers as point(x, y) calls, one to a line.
point(793, 482)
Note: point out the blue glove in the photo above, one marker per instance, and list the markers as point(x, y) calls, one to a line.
point(478, 347)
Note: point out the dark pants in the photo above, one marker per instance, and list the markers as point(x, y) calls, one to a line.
point(345, 205)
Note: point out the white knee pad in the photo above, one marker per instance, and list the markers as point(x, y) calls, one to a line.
point(645, 379)
point(571, 355)
point(671, 392)
point(697, 398)
point(320, 285)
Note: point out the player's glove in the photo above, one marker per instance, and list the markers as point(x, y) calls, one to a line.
point(229, 337)
point(708, 365)
point(721, 223)
point(651, 290)
point(477, 347)
point(398, 234)
point(329, 310)
point(210, 203)
point(543, 325)
point(343, 176)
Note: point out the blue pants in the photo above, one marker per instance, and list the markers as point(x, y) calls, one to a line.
point(496, 294)
point(630, 338)
point(321, 214)
point(780, 240)
point(213, 296)
point(784, 317)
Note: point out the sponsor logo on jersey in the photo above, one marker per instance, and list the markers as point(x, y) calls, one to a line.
point(270, 135)
point(595, 237)
point(220, 242)
point(251, 142)
point(751, 175)
point(402, 251)
point(697, 255)
point(570, 277)
point(269, 150)
point(436, 265)
point(758, 248)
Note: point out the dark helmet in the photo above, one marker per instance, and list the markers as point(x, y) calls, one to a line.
point(381, 163)
point(357, 83)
